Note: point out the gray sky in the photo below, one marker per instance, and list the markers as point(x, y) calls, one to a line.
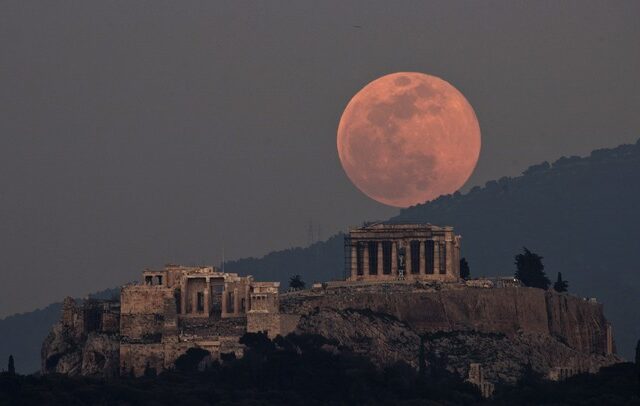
point(138, 133)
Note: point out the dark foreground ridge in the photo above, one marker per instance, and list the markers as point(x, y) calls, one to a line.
point(311, 370)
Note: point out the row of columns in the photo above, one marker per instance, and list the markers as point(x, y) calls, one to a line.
point(447, 245)
point(227, 295)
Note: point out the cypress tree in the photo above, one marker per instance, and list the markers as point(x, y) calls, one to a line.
point(464, 268)
point(561, 285)
point(530, 270)
point(638, 364)
point(12, 367)
point(422, 364)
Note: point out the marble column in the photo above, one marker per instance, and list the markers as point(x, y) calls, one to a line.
point(247, 298)
point(365, 259)
point(194, 303)
point(436, 257)
point(183, 295)
point(422, 258)
point(225, 299)
point(236, 302)
point(449, 257)
point(207, 300)
point(394, 258)
point(380, 259)
point(407, 260)
point(354, 261)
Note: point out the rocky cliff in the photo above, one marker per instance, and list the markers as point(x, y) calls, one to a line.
point(85, 341)
point(504, 329)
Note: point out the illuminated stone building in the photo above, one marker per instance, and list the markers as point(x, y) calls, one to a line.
point(384, 252)
point(183, 307)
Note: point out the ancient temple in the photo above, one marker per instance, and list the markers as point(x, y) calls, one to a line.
point(181, 307)
point(384, 252)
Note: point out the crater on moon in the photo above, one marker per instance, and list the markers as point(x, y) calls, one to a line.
point(407, 138)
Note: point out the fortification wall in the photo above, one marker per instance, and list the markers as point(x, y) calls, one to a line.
point(143, 299)
point(273, 323)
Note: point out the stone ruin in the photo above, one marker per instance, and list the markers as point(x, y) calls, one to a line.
point(403, 283)
point(384, 252)
point(476, 377)
point(180, 307)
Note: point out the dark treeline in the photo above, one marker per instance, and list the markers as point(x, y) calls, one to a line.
point(296, 370)
point(309, 370)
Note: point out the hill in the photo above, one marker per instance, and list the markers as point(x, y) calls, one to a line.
point(579, 213)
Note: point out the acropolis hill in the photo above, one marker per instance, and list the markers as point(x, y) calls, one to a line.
point(403, 288)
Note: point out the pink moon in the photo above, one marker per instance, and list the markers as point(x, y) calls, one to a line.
point(407, 138)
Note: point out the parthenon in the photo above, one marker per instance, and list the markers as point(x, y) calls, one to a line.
point(384, 252)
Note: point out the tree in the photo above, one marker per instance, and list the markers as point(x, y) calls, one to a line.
point(189, 361)
point(422, 362)
point(150, 372)
point(530, 270)
point(12, 367)
point(561, 285)
point(464, 268)
point(638, 364)
point(296, 282)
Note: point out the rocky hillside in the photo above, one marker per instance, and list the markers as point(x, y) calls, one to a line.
point(68, 351)
point(85, 340)
point(504, 329)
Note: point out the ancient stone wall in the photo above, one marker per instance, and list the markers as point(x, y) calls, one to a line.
point(142, 316)
point(144, 299)
point(135, 358)
point(273, 324)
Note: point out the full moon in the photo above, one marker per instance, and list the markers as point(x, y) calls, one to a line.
point(407, 138)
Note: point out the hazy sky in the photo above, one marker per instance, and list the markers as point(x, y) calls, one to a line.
point(134, 133)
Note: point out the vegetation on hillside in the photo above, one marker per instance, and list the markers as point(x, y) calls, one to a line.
point(309, 370)
point(530, 270)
